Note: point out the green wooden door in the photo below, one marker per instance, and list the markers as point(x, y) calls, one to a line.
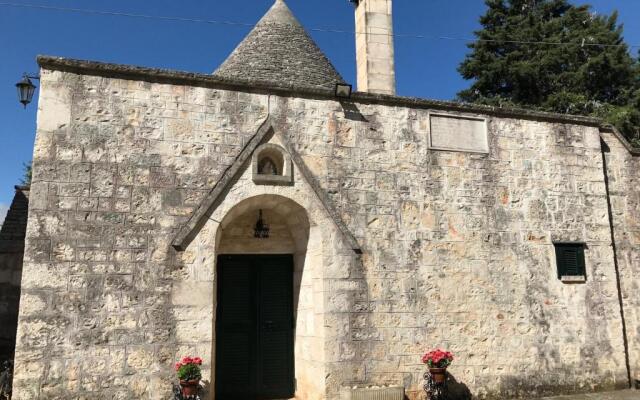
point(254, 327)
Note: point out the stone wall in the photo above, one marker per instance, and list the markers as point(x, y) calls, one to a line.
point(623, 170)
point(458, 253)
point(457, 247)
point(11, 252)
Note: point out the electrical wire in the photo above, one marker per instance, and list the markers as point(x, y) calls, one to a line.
point(122, 14)
point(583, 43)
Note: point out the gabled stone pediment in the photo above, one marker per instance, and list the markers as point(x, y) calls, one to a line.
point(190, 229)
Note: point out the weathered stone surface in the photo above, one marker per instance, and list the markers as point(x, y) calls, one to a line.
point(457, 247)
point(12, 234)
point(623, 170)
point(451, 132)
point(617, 395)
point(278, 49)
point(374, 47)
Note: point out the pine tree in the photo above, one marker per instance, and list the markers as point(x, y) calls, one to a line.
point(568, 73)
point(27, 173)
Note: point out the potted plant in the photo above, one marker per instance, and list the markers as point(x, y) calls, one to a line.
point(189, 374)
point(438, 361)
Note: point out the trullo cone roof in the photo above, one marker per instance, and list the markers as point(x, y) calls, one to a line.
point(279, 50)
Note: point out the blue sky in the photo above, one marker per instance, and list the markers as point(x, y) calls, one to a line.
point(425, 67)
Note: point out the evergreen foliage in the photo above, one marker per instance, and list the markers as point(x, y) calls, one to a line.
point(189, 372)
point(27, 173)
point(573, 78)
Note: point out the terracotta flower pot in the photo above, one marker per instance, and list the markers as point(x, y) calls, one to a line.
point(439, 375)
point(190, 388)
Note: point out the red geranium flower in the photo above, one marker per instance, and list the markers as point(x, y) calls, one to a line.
point(437, 359)
point(188, 368)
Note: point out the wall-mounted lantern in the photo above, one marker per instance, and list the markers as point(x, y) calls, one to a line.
point(343, 90)
point(261, 230)
point(26, 89)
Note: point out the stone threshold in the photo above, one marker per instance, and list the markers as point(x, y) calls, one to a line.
point(617, 395)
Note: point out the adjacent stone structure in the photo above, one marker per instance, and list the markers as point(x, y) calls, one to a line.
point(143, 177)
point(12, 236)
point(623, 177)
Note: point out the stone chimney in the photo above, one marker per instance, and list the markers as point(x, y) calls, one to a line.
point(374, 46)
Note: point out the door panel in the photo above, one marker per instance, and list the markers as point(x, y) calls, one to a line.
point(275, 328)
point(235, 330)
point(254, 328)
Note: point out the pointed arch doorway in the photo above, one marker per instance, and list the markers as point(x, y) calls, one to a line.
point(258, 291)
point(255, 327)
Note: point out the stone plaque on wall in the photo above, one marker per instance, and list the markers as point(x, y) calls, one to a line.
point(458, 133)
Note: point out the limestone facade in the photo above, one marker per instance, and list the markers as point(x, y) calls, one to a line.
point(456, 247)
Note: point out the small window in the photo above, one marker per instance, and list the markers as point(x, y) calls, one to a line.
point(570, 260)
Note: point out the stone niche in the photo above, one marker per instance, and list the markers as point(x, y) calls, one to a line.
point(271, 165)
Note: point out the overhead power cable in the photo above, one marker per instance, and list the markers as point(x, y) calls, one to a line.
point(121, 14)
point(582, 43)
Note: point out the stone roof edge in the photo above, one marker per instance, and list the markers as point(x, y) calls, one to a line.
point(634, 151)
point(158, 75)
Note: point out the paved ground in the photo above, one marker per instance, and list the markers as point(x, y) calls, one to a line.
point(621, 395)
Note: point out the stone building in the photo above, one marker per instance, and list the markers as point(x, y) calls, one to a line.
point(305, 244)
point(12, 235)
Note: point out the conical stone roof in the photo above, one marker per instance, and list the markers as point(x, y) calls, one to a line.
point(279, 50)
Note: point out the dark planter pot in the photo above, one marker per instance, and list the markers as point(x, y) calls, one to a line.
point(190, 388)
point(439, 375)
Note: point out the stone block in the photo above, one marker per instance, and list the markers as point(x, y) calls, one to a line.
point(452, 132)
point(372, 393)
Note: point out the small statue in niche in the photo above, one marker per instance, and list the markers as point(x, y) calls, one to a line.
point(267, 167)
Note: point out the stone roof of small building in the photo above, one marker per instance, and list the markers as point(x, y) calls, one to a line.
point(14, 228)
point(279, 50)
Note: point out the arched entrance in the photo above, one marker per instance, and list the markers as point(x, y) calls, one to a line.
point(259, 287)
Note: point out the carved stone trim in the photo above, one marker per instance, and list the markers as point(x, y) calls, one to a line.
point(199, 216)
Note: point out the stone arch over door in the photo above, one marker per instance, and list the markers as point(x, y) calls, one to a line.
point(291, 232)
point(332, 276)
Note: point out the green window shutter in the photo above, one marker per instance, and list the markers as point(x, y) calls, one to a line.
point(275, 361)
point(570, 259)
point(235, 328)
